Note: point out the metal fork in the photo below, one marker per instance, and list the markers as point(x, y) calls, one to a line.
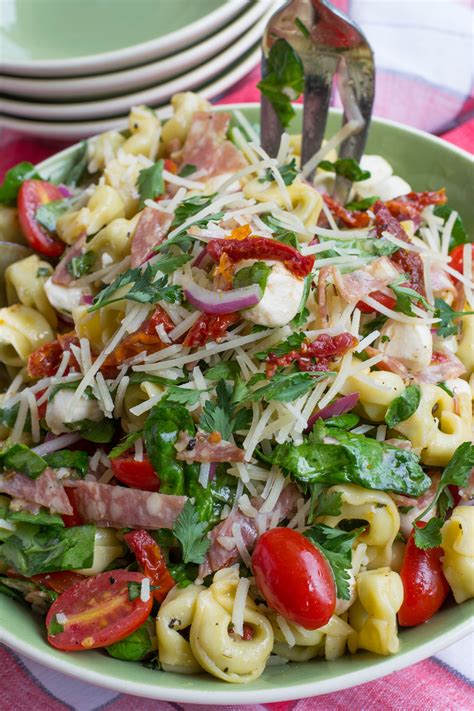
point(332, 46)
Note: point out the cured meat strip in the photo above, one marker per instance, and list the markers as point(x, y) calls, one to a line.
point(355, 285)
point(61, 274)
point(219, 556)
point(207, 448)
point(444, 366)
point(207, 146)
point(120, 507)
point(43, 491)
point(151, 230)
point(417, 506)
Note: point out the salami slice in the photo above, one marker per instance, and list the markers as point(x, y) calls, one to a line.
point(152, 229)
point(207, 146)
point(43, 491)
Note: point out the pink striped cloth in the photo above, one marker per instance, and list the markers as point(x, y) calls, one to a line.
point(424, 79)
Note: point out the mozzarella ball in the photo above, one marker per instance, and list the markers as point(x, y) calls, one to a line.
point(412, 345)
point(57, 413)
point(63, 298)
point(281, 298)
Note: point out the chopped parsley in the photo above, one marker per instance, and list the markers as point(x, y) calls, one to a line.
point(191, 533)
point(150, 183)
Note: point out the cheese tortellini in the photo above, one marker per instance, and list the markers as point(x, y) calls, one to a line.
point(176, 614)
point(112, 243)
point(374, 614)
point(135, 395)
point(104, 205)
point(98, 326)
point(439, 425)
point(458, 545)
point(22, 331)
point(328, 641)
point(465, 351)
point(375, 507)
point(24, 283)
point(376, 389)
point(176, 129)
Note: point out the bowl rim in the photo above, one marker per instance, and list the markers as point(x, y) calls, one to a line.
point(246, 695)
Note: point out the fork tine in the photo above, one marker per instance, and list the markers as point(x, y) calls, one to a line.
point(271, 136)
point(317, 95)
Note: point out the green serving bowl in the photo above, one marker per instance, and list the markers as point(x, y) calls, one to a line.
point(428, 164)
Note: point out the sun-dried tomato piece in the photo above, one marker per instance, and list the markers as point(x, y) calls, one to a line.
point(351, 218)
point(45, 360)
point(209, 327)
point(313, 356)
point(408, 207)
point(261, 248)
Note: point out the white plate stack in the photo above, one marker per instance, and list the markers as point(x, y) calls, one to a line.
point(69, 72)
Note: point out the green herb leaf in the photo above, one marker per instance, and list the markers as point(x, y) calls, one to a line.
point(190, 532)
point(48, 213)
point(14, 179)
point(329, 503)
point(186, 170)
point(145, 289)
point(170, 264)
point(44, 272)
point(71, 459)
point(446, 327)
point(430, 535)
point(54, 627)
point(226, 370)
point(288, 172)
point(292, 343)
point(183, 241)
point(184, 396)
point(302, 27)
point(280, 233)
point(190, 207)
point(258, 273)
point(284, 81)
point(20, 458)
point(8, 417)
point(446, 389)
point(81, 265)
point(125, 444)
point(100, 432)
point(343, 422)
point(403, 406)
point(406, 297)
point(336, 546)
point(133, 648)
point(134, 590)
point(150, 183)
point(445, 502)
point(362, 204)
point(458, 234)
point(287, 387)
point(219, 415)
point(346, 168)
point(302, 314)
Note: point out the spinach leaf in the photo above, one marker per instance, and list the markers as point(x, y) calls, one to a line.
point(355, 459)
point(100, 432)
point(280, 233)
point(134, 647)
point(344, 422)
point(346, 168)
point(284, 81)
point(125, 444)
point(72, 459)
point(36, 549)
point(160, 433)
point(446, 327)
point(42, 518)
point(150, 183)
point(288, 172)
point(258, 273)
point(302, 314)
point(362, 204)
point(75, 167)
point(14, 179)
point(187, 170)
point(8, 417)
point(336, 546)
point(210, 501)
point(20, 458)
point(406, 297)
point(459, 234)
point(170, 264)
point(81, 265)
point(48, 213)
point(190, 532)
point(403, 406)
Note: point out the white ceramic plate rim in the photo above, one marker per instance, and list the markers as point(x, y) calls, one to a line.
point(160, 93)
point(386, 666)
point(142, 76)
point(85, 129)
point(127, 56)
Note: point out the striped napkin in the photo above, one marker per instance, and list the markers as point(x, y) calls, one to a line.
point(424, 79)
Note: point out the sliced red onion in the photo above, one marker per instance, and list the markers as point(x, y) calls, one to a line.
point(222, 302)
point(87, 299)
point(52, 445)
point(201, 258)
point(212, 471)
point(339, 407)
point(65, 191)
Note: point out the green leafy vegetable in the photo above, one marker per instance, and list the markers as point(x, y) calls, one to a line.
point(344, 422)
point(288, 172)
point(346, 168)
point(170, 264)
point(145, 289)
point(48, 213)
point(41, 518)
point(20, 458)
point(354, 459)
point(14, 179)
point(403, 406)
point(220, 415)
point(336, 546)
point(8, 417)
point(226, 370)
point(160, 433)
point(190, 207)
point(302, 27)
point(210, 501)
point(302, 314)
point(44, 272)
point(138, 378)
point(446, 389)
point(133, 648)
point(55, 627)
point(286, 387)
point(36, 549)
point(100, 432)
point(186, 170)
point(280, 233)
point(258, 273)
point(184, 396)
point(72, 459)
point(406, 297)
point(329, 503)
point(362, 204)
point(150, 183)
point(430, 535)
point(446, 327)
point(292, 343)
point(125, 444)
point(183, 241)
point(134, 590)
point(74, 167)
point(81, 265)
point(284, 81)
point(459, 234)
point(190, 532)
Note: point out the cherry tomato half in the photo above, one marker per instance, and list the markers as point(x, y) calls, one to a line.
point(383, 299)
point(98, 612)
point(294, 577)
point(74, 519)
point(138, 475)
point(457, 260)
point(424, 585)
point(58, 581)
point(33, 194)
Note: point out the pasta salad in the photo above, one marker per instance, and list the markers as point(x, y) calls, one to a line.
point(236, 421)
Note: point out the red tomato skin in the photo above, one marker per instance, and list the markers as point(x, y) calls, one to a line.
point(149, 556)
point(383, 299)
point(75, 519)
point(33, 194)
point(138, 475)
point(424, 585)
point(294, 577)
point(58, 581)
point(101, 627)
point(457, 260)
